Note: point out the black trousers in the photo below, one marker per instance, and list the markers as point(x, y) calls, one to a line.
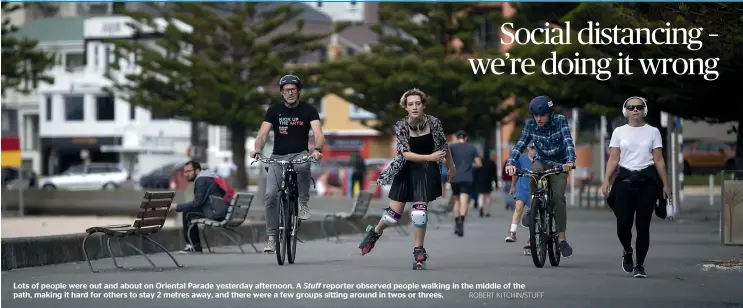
point(635, 205)
point(194, 234)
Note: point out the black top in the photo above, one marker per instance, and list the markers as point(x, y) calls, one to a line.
point(422, 144)
point(291, 126)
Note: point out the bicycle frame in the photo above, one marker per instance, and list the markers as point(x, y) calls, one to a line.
point(289, 188)
point(541, 227)
point(544, 187)
point(288, 192)
point(288, 208)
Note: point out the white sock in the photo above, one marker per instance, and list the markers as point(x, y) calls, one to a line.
point(513, 227)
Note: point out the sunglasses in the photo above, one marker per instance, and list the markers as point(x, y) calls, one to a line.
point(635, 107)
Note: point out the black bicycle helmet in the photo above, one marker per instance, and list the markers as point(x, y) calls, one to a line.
point(540, 105)
point(290, 79)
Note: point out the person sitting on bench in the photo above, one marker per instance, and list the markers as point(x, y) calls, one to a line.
point(212, 197)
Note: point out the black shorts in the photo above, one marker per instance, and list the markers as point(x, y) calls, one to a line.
point(461, 188)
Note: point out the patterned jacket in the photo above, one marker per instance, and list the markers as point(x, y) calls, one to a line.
point(553, 142)
point(402, 133)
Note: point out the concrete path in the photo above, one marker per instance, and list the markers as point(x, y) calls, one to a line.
point(331, 273)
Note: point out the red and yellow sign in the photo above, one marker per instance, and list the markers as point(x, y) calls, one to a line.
point(11, 151)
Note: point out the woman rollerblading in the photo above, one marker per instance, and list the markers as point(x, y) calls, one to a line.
point(415, 173)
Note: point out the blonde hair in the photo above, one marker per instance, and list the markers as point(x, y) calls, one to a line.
point(411, 92)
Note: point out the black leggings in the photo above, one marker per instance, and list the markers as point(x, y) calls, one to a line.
point(638, 206)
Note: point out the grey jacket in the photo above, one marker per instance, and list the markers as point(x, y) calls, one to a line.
point(204, 187)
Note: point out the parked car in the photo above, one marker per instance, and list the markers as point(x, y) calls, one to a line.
point(160, 178)
point(705, 156)
point(92, 176)
point(10, 178)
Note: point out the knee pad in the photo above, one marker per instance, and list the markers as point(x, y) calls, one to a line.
point(390, 217)
point(419, 214)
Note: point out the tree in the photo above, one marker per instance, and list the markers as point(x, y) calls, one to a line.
point(23, 64)
point(679, 95)
point(417, 48)
point(215, 71)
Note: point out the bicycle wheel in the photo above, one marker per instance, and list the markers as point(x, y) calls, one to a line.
point(291, 239)
point(281, 238)
point(553, 245)
point(537, 235)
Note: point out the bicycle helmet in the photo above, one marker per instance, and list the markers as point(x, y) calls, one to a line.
point(540, 105)
point(290, 79)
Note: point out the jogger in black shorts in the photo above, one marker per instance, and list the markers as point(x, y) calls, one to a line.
point(465, 158)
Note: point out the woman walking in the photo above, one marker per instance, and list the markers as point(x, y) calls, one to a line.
point(484, 178)
point(636, 148)
point(414, 173)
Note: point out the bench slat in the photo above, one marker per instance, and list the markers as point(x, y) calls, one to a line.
point(155, 213)
point(147, 230)
point(363, 202)
point(151, 204)
point(147, 222)
point(159, 195)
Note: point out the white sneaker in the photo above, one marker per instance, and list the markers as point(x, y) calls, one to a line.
point(304, 212)
point(270, 246)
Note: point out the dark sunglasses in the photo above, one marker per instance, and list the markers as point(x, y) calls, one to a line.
point(635, 107)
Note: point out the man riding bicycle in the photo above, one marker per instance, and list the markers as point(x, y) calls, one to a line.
point(550, 133)
point(291, 121)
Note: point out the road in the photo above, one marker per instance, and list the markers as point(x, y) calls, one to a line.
point(591, 278)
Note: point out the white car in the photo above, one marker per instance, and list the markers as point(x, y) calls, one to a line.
point(93, 176)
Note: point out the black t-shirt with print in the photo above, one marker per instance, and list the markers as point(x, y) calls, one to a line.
point(291, 127)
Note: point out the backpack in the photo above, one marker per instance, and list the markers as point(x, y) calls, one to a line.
point(219, 206)
point(229, 192)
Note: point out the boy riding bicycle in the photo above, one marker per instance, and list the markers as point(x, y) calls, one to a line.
point(550, 134)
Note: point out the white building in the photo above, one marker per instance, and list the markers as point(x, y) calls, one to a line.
point(21, 111)
point(75, 112)
point(33, 11)
point(352, 11)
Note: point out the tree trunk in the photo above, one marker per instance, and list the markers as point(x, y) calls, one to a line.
point(739, 148)
point(238, 135)
point(199, 141)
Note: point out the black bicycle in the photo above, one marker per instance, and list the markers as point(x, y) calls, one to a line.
point(543, 236)
point(288, 225)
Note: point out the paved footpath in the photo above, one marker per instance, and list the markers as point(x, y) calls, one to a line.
point(591, 278)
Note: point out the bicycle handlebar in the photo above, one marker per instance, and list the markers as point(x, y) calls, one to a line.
point(558, 170)
point(283, 162)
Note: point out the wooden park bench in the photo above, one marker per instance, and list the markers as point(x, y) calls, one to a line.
point(442, 209)
point(236, 215)
point(358, 211)
point(151, 218)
